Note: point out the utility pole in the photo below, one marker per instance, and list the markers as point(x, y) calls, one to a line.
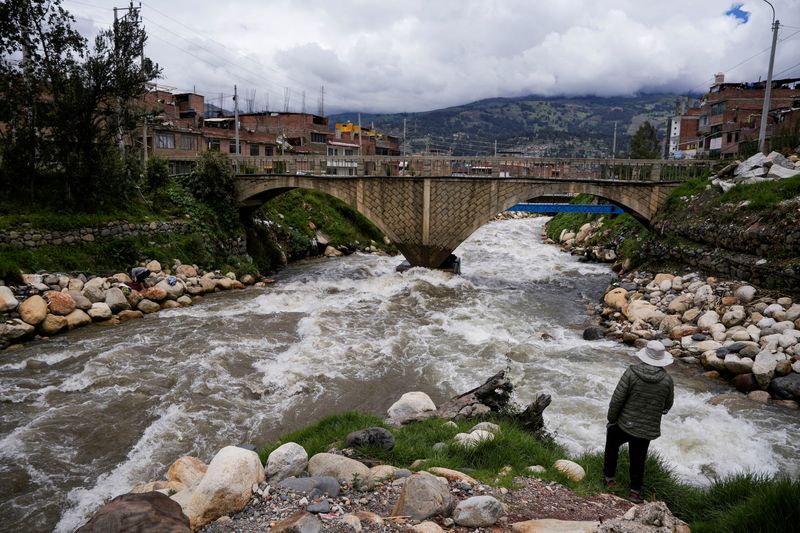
point(236, 117)
point(614, 143)
point(495, 147)
point(359, 133)
point(404, 138)
point(762, 132)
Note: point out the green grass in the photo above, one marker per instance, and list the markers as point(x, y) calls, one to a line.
point(21, 216)
point(571, 221)
point(762, 195)
point(341, 223)
point(739, 504)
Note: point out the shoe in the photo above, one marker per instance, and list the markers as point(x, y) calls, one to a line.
point(609, 483)
point(635, 497)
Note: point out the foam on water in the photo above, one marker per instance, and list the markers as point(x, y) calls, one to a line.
point(336, 334)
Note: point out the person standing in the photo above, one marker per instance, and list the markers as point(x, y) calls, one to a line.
point(644, 393)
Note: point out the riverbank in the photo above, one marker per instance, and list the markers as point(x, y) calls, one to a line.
point(728, 329)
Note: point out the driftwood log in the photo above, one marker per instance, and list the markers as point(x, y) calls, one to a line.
point(493, 396)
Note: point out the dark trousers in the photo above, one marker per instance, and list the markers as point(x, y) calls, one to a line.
point(637, 449)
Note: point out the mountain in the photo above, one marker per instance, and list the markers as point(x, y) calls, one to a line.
point(534, 125)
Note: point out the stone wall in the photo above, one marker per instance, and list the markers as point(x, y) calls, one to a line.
point(33, 238)
point(772, 274)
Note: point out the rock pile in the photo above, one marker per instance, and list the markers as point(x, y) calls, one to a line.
point(758, 168)
point(729, 329)
point(335, 492)
point(49, 303)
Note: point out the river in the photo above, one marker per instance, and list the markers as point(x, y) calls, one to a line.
point(87, 415)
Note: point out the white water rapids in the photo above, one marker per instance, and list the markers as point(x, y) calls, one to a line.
point(87, 415)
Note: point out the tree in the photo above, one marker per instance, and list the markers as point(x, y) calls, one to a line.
point(65, 105)
point(644, 143)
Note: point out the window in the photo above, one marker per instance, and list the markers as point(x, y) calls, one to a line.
point(318, 137)
point(255, 150)
point(232, 147)
point(348, 152)
point(267, 151)
point(165, 140)
point(213, 145)
point(188, 142)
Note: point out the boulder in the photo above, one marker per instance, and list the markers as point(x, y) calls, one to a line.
point(149, 512)
point(375, 436)
point(772, 310)
point(81, 302)
point(734, 316)
point(170, 304)
point(299, 522)
point(78, 318)
point(52, 324)
point(552, 525)
point(116, 301)
point(486, 426)
point(786, 387)
point(95, 289)
point(573, 470)
point(184, 301)
point(100, 311)
point(186, 271)
point(426, 527)
point(324, 484)
point(680, 304)
point(616, 298)
point(133, 297)
point(207, 284)
point(764, 368)
point(644, 311)
point(173, 291)
point(382, 472)
point(411, 407)
point(187, 470)
point(683, 330)
point(8, 302)
point(745, 383)
point(424, 496)
point(148, 306)
point(287, 460)
point(593, 333)
point(340, 467)
point(33, 310)
point(452, 475)
point(59, 303)
point(738, 365)
point(648, 517)
point(153, 266)
point(225, 488)
point(473, 438)
point(15, 330)
point(745, 294)
point(760, 396)
point(154, 294)
point(707, 319)
point(224, 284)
point(477, 511)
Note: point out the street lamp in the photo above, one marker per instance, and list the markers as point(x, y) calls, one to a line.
point(762, 133)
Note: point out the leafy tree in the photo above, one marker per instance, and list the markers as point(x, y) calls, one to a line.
point(67, 106)
point(644, 143)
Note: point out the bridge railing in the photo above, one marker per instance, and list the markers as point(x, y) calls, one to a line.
point(474, 167)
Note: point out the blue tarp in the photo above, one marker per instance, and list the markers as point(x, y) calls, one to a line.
point(568, 208)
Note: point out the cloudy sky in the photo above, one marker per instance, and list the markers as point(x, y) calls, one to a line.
point(415, 55)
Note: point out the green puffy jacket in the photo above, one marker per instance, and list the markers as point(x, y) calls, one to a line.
point(643, 394)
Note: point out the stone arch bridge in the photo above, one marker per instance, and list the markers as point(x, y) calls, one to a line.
point(428, 216)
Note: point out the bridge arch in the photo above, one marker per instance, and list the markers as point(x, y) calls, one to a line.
point(428, 217)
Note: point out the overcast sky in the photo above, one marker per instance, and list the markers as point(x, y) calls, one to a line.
point(416, 55)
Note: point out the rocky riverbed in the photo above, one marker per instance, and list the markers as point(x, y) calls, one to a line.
point(728, 329)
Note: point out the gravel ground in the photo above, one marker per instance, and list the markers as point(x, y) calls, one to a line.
point(529, 499)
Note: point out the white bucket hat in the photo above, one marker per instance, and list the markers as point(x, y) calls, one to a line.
point(655, 354)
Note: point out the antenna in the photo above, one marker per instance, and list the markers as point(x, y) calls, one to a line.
point(303, 106)
point(321, 107)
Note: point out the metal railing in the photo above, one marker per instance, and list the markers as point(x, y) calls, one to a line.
point(474, 167)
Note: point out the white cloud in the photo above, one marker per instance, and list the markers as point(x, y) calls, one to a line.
point(413, 55)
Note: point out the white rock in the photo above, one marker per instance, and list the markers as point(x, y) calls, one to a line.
point(573, 470)
point(411, 406)
point(342, 468)
point(765, 323)
point(477, 511)
point(100, 311)
point(734, 316)
point(773, 309)
point(707, 319)
point(704, 296)
point(224, 489)
point(287, 460)
point(764, 368)
point(754, 332)
point(783, 326)
point(486, 426)
point(718, 332)
point(7, 300)
point(745, 294)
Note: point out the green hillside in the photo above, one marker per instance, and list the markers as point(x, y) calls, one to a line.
point(535, 125)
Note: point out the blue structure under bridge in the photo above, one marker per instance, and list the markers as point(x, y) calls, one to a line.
point(607, 209)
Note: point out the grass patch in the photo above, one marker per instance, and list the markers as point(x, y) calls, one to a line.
point(570, 221)
point(116, 255)
point(742, 503)
point(762, 195)
point(341, 223)
point(21, 216)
